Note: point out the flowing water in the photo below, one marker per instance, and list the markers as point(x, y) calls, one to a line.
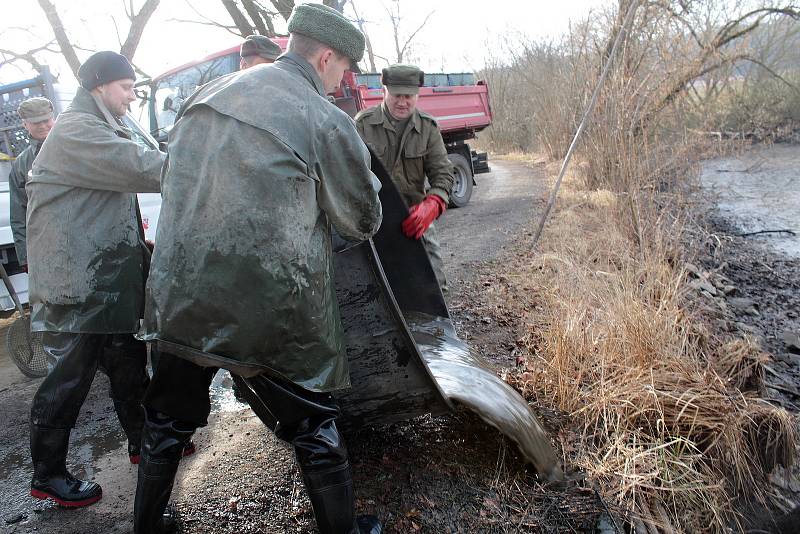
point(463, 378)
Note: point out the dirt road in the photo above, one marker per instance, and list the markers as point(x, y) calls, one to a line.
point(437, 474)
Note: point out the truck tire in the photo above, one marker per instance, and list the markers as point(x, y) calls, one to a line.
point(462, 186)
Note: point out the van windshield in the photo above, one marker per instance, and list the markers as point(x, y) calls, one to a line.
point(171, 91)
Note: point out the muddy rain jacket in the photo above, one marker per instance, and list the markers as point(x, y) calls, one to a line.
point(260, 166)
point(421, 153)
point(86, 246)
point(18, 199)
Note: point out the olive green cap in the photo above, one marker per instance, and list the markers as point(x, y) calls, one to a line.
point(258, 45)
point(402, 79)
point(36, 109)
point(329, 27)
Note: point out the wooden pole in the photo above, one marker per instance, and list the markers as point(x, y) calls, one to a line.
point(585, 120)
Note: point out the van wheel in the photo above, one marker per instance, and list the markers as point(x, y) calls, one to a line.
point(462, 186)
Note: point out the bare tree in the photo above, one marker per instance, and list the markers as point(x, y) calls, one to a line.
point(68, 48)
point(252, 16)
point(64, 43)
point(359, 20)
point(402, 42)
point(248, 16)
point(10, 57)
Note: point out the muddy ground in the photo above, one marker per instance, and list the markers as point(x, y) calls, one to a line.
point(449, 474)
point(754, 198)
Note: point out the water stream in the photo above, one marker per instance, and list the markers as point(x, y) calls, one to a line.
point(463, 378)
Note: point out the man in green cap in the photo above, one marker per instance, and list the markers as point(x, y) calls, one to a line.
point(256, 50)
point(410, 146)
point(37, 119)
point(261, 167)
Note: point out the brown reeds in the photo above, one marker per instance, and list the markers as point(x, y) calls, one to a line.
point(741, 362)
point(670, 424)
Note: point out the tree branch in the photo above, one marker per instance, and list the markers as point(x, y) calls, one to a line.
point(367, 42)
point(28, 56)
point(255, 16)
point(138, 23)
point(245, 28)
point(231, 29)
point(67, 50)
point(772, 72)
point(284, 7)
point(415, 32)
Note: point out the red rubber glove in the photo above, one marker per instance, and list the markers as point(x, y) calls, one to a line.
point(421, 215)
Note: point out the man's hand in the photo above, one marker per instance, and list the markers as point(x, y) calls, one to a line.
point(421, 216)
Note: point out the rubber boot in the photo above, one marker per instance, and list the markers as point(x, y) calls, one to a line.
point(153, 488)
point(163, 442)
point(134, 454)
point(131, 419)
point(331, 494)
point(51, 480)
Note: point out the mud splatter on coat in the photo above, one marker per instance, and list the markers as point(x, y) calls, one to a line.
point(261, 166)
point(86, 247)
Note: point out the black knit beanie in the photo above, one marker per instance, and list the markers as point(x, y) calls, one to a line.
point(104, 67)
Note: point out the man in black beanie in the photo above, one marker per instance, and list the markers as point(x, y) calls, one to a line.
point(88, 262)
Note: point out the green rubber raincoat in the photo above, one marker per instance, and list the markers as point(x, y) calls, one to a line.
point(18, 199)
point(86, 250)
point(260, 166)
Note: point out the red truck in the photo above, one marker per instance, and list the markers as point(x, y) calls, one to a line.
point(460, 104)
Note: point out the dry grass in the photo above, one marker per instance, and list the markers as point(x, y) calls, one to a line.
point(669, 420)
point(665, 427)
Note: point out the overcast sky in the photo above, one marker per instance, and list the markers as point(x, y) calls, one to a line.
point(458, 36)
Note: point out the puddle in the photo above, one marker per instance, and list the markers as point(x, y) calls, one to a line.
point(12, 462)
point(464, 378)
point(760, 190)
point(222, 397)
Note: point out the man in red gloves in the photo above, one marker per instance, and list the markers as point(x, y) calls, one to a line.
point(410, 146)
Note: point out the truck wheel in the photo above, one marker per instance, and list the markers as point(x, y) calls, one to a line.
point(462, 186)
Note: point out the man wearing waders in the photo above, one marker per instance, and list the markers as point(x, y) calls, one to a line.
point(410, 146)
point(87, 264)
point(261, 167)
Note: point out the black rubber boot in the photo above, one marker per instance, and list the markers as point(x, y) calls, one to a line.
point(163, 442)
point(51, 480)
point(151, 513)
point(131, 419)
point(331, 494)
